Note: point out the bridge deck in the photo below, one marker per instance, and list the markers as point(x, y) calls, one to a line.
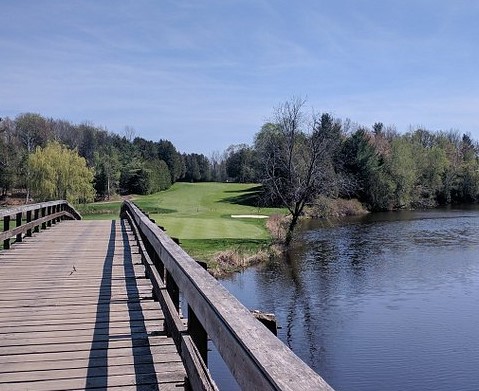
point(76, 312)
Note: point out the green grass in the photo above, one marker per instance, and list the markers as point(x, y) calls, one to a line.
point(100, 210)
point(204, 210)
point(199, 214)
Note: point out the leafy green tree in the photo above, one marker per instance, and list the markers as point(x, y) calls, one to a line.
point(56, 172)
point(433, 164)
point(145, 177)
point(192, 172)
point(242, 164)
point(89, 143)
point(135, 181)
point(373, 183)
point(168, 153)
point(160, 177)
point(469, 171)
point(107, 171)
point(450, 143)
point(10, 158)
point(147, 149)
point(197, 168)
point(402, 166)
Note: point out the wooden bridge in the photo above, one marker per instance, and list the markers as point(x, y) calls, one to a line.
point(96, 305)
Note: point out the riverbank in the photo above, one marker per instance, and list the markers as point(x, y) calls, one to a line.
point(221, 223)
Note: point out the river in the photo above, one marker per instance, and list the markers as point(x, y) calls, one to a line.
point(389, 301)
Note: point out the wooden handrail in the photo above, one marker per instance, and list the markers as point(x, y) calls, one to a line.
point(40, 215)
point(256, 358)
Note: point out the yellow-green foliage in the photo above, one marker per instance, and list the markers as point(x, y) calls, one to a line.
point(56, 172)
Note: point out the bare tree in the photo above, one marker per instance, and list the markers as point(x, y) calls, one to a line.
point(129, 133)
point(297, 164)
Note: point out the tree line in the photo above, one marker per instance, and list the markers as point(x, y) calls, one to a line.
point(36, 151)
point(297, 156)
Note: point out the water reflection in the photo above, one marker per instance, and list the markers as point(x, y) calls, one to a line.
point(389, 301)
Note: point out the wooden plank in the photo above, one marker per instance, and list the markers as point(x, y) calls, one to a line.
point(171, 371)
point(26, 314)
point(82, 362)
point(153, 350)
point(135, 382)
point(95, 326)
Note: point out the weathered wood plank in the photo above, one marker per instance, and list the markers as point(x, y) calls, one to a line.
point(76, 312)
point(153, 350)
point(68, 362)
point(99, 382)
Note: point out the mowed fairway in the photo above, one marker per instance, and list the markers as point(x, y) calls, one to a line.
point(204, 210)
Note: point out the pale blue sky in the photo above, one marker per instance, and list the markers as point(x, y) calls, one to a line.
point(207, 73)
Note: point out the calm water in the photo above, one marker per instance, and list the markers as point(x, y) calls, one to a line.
point(385, 302)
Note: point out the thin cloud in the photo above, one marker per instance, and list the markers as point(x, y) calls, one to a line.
point(203, 73)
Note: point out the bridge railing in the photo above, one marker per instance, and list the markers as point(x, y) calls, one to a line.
point(257, 359)
point(33, 217)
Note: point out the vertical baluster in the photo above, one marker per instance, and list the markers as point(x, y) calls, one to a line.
point(18, 224)
point(6, 227)
point(196, 330)
point(172, 289)
point(198, 335)
point(29, 219)
point(53, 211)
point(49, 212)
point(36, 214)
point(44, 213)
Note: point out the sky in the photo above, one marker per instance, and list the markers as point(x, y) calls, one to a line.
point(206, 74)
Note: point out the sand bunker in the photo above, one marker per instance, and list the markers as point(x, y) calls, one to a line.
point(249, 216)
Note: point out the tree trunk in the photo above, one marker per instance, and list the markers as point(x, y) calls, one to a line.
point(292, 226)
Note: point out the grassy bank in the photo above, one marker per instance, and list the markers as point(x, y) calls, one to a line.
point(208, 218)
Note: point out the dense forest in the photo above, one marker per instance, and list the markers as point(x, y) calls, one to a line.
point(119, 164)
point(296, 156)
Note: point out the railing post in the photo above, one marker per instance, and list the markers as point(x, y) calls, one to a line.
point(49, 212)
point(172, 289)
point(18, 223)
point(62, 209)
point(29, 219)
point(6, 227)
point(54, 210)
point(196, 330)
point(44, 213)
point(36, 214)
point(157, 262)
point(198, 335)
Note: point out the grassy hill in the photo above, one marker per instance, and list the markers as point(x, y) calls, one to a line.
point(205, 210)
point(204, 216)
